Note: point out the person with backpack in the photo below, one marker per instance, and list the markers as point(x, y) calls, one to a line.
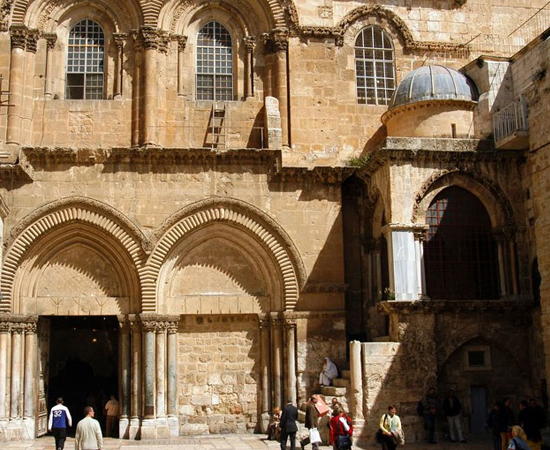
point(341, 430)
point(390, 426)
point(517, 441)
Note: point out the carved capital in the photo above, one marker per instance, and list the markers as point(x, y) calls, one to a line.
point(119, 39)
point(149, 38)
point(276, 40)
point(30, 328)
point(249, 43)
point(164, 41)
point(51, 39)
point(18, 34)
point(32, 40)
point(182, 42)
point(18, 328)
point(5, 327)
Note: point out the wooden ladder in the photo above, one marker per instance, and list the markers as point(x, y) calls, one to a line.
point(218, 129)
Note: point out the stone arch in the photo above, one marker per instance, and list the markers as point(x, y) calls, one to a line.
point(53, 216)
point(397, 25)
point(488, 192)
point(44, 15)
point(238, 214)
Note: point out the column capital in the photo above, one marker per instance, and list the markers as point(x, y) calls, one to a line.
point(149, 38)
point(411, 227)
point(164, 41)
point(18, 34)
point(32, 40)
point(181, 40)
point(5, 327)
point(503, 233)
point(51, 39)
point(119, 39)
point(276, 40)
point(249, 43)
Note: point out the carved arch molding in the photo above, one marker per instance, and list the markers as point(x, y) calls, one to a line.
point(149, 255)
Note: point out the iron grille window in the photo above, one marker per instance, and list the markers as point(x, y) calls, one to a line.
point(460, 251)
point(374, 66)
point(85, 61)
point(214, 63)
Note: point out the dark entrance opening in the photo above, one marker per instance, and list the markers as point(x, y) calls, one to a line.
point(83, 365)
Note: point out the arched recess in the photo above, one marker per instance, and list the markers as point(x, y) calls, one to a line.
point(219, 269)
point(46, 15)
point(240, 215)
point(493, 199)
point(259, 16)
point(93, 217)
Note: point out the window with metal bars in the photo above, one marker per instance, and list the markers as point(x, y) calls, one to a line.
point(214, 63)
point(86, 61)
point(374, 66)
point(460, 252)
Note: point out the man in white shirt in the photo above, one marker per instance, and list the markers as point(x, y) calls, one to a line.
point(88, 432)
point(111, 412)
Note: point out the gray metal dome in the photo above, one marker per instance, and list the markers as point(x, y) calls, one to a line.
point(433, 83)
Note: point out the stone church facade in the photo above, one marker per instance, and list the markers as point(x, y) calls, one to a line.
point(241, 188)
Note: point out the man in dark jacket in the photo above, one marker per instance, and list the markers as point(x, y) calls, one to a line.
point(312, 419)
point(429, 403)
point(288, 425)
point(452, 408)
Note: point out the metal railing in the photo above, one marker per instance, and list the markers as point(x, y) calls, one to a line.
point(510, 120)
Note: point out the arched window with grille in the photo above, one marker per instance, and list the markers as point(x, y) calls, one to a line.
point(460, 251)
point(374, 66)
point(214, 63)
point(86, 61)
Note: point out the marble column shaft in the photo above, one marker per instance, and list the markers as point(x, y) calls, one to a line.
point(291, 389)
point(125, 365)
point(16, 349)
point(51, 39)
point(265, 367)
point(17, 77)
point(136, 371)
point(161, 372)
point(150, 40)
point(172, 344)
point(149, 372)
point(4, 331)
point(356, 380)
point(31, 354)
point(182, 43)
point(119, 43)
point(277, 374)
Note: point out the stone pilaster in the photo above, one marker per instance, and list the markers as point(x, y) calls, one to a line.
point(249, 44)
point(290, 378)
point(150, 40)
point(119, 39)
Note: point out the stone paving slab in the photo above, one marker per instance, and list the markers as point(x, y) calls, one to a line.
point(228, 442)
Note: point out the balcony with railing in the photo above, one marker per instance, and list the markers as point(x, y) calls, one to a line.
point(510, 127)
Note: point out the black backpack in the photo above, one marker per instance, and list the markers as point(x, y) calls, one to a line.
point(420, 408)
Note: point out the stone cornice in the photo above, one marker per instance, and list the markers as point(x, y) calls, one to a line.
point(333, 288)
point(454, 306)
point(319, 174)
point(462, 153)
point(467, 105)
point(13, 173)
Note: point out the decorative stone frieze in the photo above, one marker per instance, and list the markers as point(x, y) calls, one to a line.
point(321, 175)
point(5, 11)
point(332, 288)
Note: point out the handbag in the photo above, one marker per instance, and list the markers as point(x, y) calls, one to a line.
point(379, 436)
point(344, 442)
point(314, 436)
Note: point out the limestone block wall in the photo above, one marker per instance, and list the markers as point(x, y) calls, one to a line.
point(218, 374)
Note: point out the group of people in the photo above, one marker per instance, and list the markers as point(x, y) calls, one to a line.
point(521, 433)
point(88, 434)
point(340, 426)
point(429, 408)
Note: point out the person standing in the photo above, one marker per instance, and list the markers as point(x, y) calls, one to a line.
point(429, 403)
point(390, 423)
point(452, 409)
point(60, 419)
point(88, 432)
point(312, 419)
point(111, 413)
point(288, 425)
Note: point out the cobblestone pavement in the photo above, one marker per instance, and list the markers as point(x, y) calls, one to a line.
point(227, 442)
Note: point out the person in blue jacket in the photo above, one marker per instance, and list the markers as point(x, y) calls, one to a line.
point(60, 419)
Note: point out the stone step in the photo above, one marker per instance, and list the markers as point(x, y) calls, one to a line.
point(335, 391)
point(341, 382)
point(345, 374)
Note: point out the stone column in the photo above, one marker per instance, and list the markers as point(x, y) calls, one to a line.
point(51, 39)
point(29, 403)
point(16, 375)
point(277, 358)
point(172, 378)
point(148, 429)
point(291, 389)
point(125, 380)
point(356, 371)
point(265, 371)
point(150, 42)
point(419, 238)
point(249, 44)
point(277, 45)
point(135, 403)
point(513, 266)
point(5, 329)
point(17, 77)
point(162, 423)
point(137, 87)
point(502, 265)
point(119, 39)
point(182, 43)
